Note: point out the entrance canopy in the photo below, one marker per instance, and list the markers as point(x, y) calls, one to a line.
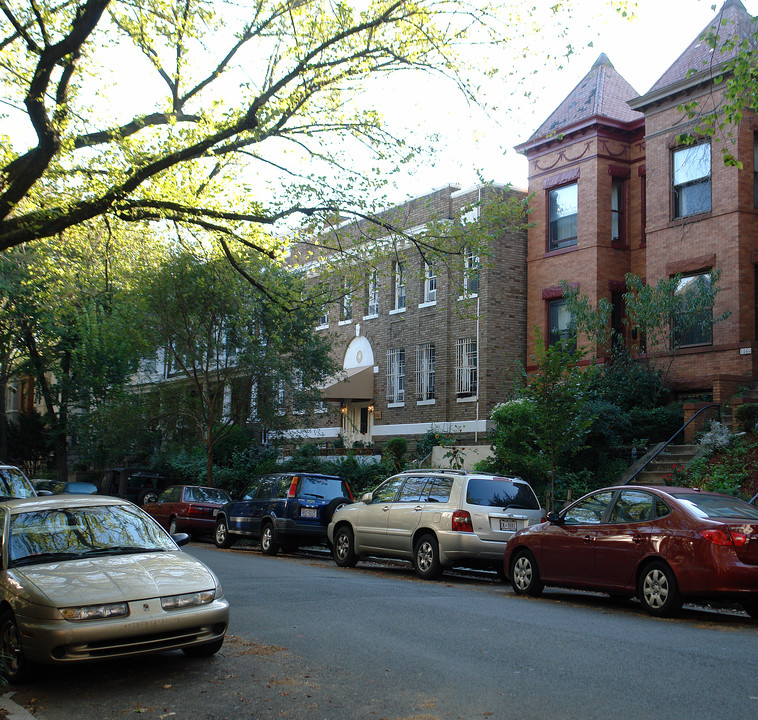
point(352, 384)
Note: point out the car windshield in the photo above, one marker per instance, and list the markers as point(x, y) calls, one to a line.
point(13, 483)
point(322, 488)
point(206, 494)
point(502, 493)
point(717, 506)
point(71, 533)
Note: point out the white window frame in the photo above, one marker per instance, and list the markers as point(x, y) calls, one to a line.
point(398, 288)
point(396, 376)
point(346, 309)
point(471, 273)
point(430, 285)
point(372, 297)
point(425, 372)
point(691, 176)
point(466, 368)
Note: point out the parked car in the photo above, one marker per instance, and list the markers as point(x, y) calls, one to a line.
point(188, 508)
point(14, 484)
point(136, 484)
point(73, 487)
point(92, 578)
point(283, 510)
point(662, 544)
point(435, 519)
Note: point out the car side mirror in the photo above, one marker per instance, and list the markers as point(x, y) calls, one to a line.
point(555, 518)
point(181, 538)
point(367, 498)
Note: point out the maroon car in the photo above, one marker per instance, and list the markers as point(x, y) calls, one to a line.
point(662, 544)
point(188, 508)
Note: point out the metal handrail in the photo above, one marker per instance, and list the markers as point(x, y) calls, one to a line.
point(671, 439)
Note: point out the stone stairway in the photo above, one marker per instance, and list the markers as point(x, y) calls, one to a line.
point(657, 469)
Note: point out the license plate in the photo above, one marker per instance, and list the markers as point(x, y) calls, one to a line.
point(309, 512)
point(508, 524)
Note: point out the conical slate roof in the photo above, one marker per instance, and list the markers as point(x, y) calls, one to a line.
point(601, 93)
point(731, 20)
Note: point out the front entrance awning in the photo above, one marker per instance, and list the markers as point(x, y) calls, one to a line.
point(352, 384)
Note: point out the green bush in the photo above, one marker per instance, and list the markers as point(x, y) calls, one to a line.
point(393, 453)
point(655, 424)
point(746, 416)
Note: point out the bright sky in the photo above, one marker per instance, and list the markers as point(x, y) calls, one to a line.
point(641, 50)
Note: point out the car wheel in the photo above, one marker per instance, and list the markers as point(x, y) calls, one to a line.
point(269, 546)
point(751, 608)
point(525, 575)
point(332, 507)
point(343, 550)
point(222, 536)
point(205, 650)
point(426, 558)
point(15, 667)
point(658, 590)
point(172, 526)
point(147, 496)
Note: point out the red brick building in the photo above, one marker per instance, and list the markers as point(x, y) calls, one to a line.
point(616, 191)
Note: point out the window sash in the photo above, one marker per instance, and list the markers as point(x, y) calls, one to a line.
point(372, 305)
point(560, 324)
point(700, 330)
point(466, 367)
point(617, 210)
point(430, 284)
point(396, 375)
point(425, 371)
point(563, 209)
point(692, 180)
point(399, 286)
point(471, 273)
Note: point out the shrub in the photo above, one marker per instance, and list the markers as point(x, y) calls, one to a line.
point(393, 453)
point(656, 424)
point(746, 416)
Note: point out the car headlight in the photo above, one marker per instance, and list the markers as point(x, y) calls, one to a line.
point(95, 612)
point(176, 602)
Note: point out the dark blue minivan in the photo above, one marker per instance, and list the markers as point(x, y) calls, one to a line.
point(283, 510)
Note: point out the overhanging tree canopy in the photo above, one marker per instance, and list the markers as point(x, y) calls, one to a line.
point(211, 115)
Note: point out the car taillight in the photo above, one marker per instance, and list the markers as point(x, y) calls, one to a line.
point(462, 521)
point(723, 537)
point(293, 487)
point(192, 510)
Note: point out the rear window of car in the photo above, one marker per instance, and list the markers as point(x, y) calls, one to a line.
point(322, 488)
point(717, 506)
point(493, 492)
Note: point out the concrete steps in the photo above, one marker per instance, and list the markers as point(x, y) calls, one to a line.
point(655, 472)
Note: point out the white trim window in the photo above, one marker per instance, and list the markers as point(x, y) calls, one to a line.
point(471, 268)
point(372, 296)
point(466, 367)
point(430, 283)
point(425, 371)
point(399, 286)
point(346, 307)
point(691, 167)
point(323, 320)
point(396, 375)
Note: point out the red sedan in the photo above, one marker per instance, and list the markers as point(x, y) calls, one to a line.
point(662, 544)
point(188, 508)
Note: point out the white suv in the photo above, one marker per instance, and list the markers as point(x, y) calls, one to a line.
point(435, 519)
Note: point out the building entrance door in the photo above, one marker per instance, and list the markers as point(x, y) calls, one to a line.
point(357, 422)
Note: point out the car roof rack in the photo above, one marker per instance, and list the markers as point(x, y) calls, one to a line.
point(449, 471)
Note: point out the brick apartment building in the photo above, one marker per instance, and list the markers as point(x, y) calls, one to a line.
point(422, 348)
point(615, 192)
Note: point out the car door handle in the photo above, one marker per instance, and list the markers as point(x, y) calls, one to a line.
point(418, 508)
point(637, 538)
point(386, 508)
point(588, 538)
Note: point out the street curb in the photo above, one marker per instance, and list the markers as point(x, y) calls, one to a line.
point(13, 711)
